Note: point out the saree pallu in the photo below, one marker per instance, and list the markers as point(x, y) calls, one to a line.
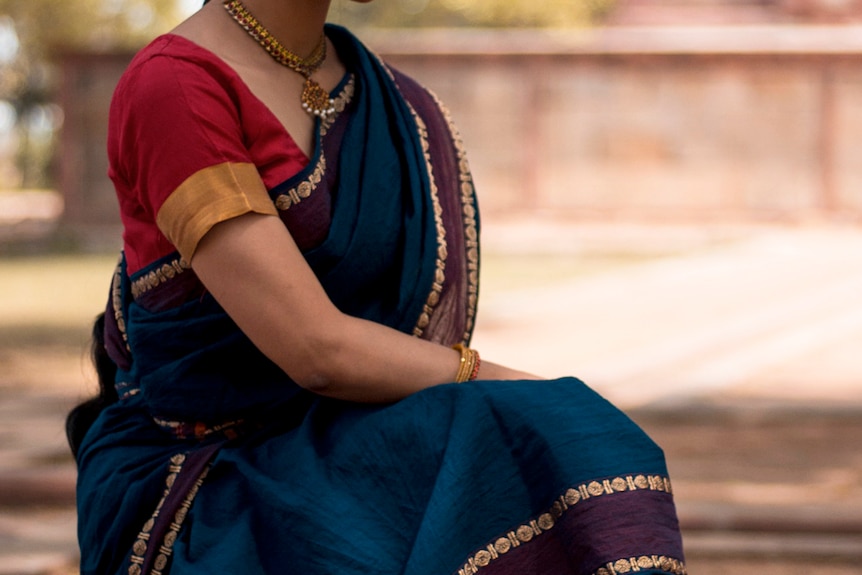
point(215, 461)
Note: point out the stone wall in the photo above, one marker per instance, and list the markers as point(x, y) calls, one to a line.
point(87, 83)
point(661, 124)
point(686, 124)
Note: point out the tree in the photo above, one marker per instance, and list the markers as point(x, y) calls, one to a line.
point(31, 32)
point(487, 13)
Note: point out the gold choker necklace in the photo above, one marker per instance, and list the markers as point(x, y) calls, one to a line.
point(315, 100)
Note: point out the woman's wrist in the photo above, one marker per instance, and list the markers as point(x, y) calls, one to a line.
point(490, 370)
point(469, 363)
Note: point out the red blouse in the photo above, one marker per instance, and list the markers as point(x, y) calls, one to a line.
point(189, 145)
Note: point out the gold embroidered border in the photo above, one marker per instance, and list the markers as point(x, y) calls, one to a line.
point(546, 521)
point(295, 195)
point(159, 276)
point(126, 389)
point(470, 215)
point(167, 547)
point(139, 549)
point(635, 564)
point(117, 302)
point(340, 102)
point(470, 223)
point(305, 188)
point(383, 65)
point(442, 247)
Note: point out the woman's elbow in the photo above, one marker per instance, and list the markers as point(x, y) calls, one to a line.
point(315, 381)
point(319, 368)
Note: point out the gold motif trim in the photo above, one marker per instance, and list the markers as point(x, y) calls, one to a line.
point(442, 247)
point(166, 546)
point(208, 197)
point(126, 389)
point(548, 520)
point(340, 104)
point(117, 302)
point(139, 548)
point(469, 217)
point(302, 191)
point(635, 564)
point(163, 274)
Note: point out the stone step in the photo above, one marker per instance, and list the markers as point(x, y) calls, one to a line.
point(27, 488)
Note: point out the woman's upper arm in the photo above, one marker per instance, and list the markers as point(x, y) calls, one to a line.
point(178, 157)
point(254, 269)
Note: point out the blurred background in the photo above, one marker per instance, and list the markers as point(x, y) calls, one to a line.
point(672, 211)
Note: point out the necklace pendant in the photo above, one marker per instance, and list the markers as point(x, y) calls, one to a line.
point(316, 100)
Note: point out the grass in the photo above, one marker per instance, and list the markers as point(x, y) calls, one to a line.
point(53, 291)
point(47, 306)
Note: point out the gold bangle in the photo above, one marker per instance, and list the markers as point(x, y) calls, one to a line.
point(468, 362)
point(477, 362)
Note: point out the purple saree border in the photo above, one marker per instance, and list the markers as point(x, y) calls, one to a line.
point(151, 552)
point(621, 524)
point(456, 216)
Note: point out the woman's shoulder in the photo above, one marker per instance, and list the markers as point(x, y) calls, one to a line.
point(176, 48)
point(170, 63)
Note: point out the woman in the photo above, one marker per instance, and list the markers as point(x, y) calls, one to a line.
point(301, 257)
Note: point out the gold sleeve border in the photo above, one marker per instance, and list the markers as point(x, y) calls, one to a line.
point(210, 196)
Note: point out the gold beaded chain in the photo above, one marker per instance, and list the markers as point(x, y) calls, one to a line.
point(315, 100)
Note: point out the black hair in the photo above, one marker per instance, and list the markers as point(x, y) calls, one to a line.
point(81, 418)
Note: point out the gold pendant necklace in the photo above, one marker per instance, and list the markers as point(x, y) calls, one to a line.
point(315, 100)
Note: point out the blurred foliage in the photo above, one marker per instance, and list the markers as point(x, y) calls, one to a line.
point(45, 26)
point(35, 30)
point(473, 13)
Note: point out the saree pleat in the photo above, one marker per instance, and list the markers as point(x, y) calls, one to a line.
point(215, 461)
point(418, 486)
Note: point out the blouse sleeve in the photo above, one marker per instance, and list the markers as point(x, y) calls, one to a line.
point(177, 144)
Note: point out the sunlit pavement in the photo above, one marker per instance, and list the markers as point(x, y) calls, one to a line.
point(737, 350)
point(746, 315)
point(740, 353)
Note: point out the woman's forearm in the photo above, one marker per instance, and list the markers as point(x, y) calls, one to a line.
point(369, 362)
point(253, 268)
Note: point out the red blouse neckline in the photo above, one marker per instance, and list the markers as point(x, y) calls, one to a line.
point(198, 50)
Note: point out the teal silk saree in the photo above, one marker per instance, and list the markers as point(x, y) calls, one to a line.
point(214, 461)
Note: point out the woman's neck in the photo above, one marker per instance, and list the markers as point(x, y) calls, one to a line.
point(296, 24)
